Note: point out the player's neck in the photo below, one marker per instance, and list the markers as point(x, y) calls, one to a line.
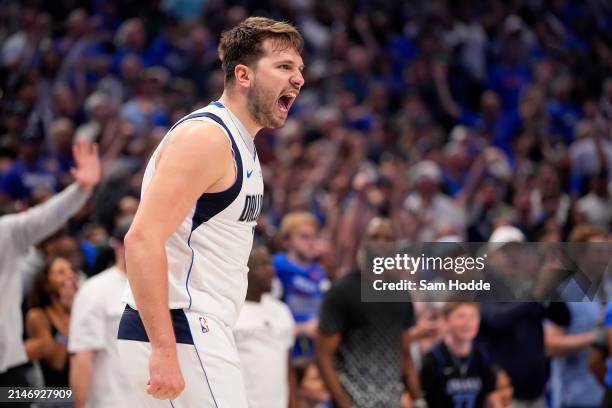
point(458, 347)
point(237, 104)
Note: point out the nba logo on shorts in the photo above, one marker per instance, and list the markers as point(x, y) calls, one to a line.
point(204, 324)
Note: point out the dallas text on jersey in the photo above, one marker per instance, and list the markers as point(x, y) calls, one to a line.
point(252, 207)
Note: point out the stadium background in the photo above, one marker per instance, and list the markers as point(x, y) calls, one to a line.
point(451, 118)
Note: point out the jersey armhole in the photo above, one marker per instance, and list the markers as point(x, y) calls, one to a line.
point(211, 204)
point(232, 147)
point(202, 119)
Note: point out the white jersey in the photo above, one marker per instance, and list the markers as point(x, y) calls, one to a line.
point(208, 253)
point(94, 323)
point(264, 336)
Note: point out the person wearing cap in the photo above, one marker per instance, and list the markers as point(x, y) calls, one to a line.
point(18, 232)
point(96, 376)
point(430, 207)
point(512, 334)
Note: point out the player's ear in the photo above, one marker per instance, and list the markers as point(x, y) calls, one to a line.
point(243, 75)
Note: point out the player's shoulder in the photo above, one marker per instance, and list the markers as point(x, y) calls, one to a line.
point(197, 144)
point(211, 115)
point(198, 131)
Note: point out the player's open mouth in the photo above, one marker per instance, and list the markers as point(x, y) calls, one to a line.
point(285, 101)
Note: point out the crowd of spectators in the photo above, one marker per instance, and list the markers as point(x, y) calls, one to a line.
point(445, 119)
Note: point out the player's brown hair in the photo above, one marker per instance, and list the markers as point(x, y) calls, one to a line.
point(243, 43)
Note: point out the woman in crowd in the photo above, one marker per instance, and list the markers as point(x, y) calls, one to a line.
point(48, 318)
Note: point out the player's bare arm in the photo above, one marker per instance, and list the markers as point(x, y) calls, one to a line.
point(196, 159)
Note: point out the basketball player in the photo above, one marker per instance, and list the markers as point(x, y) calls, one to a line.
point(188, 246)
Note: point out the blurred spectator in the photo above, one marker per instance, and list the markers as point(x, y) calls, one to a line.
point(145, 110)
point(564, 112)
point(313, 393)
point(572, 383)
point(363, 348)
point(102, 124)
point(62, 134)
point(509, 76)
point(264, 335)
point(430, 207)
point(48, 320)
point(129, 40)
point(590, 154)
point(607, 401)
point(31, 171)
point(96, 377)
point(512, 336)
point(548, 201)
point(302, 277)
point(19, 232)
point(595, 208)
point(427, 330)
point(455, 372)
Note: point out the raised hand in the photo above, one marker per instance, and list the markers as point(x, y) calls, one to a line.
point(88, 171)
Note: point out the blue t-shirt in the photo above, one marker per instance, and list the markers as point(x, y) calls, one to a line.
point(502, 130)
point(302, 287)
point(508, 81)
point(563, 119)
point(608, 325)
point(303, 293)
point(20, 179)
point(572, 382)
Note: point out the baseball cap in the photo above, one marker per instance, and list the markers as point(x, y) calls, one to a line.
point(425, 169)
point(504, 235)
point(507, 233)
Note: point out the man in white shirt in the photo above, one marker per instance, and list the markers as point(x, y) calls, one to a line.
point(264, 336)
point(96, 375)
point(18, 233)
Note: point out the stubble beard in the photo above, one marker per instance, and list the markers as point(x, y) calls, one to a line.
point(261, 105)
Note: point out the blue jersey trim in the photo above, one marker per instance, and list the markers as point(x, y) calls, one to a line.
point(220, 105)
point(132, 328)
point(211, 204)
point(190, 267)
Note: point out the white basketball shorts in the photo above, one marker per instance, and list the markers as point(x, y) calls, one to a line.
point(207, 356)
